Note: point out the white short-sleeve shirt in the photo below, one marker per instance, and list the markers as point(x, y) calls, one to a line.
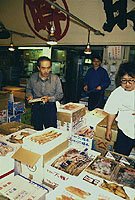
point(123, 103)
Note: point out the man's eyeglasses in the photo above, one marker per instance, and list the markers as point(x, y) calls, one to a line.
point(125, 81)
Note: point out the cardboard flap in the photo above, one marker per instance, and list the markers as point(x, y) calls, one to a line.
point(103, 123)
point(19, 94)
point(27, 157)
point(64, 117)
point(54, 152)
point(13, 88)
point(98, 113)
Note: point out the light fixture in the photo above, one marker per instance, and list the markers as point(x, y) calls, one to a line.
point(88, 50)
point(11, 47)
point(51, 39)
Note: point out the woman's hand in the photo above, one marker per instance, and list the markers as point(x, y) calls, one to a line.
point(108, 135)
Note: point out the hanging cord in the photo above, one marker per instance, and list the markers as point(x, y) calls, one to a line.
point(88, 36)
point(52, 10)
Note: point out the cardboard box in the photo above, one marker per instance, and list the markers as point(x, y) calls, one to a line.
point(94, 117)
point(15, 108)
point(70, 127)
point(122, 159)
point(33, 156)
point(77, 189)
point(4, 96)
point(19, 94)
point(20, 188)
point(54, 176)
point(74, 189)
point(13, 88)
point(120, 191)
point(84, 101)
point(65, 115)
point(103, 167)
point(101, 145)
point(8, 128)
point(6, 163)
point(83, 137)
point(19, 100)
point(16, 118)
point(4, 116)
point(125, 176)
point(101, 129)
point(70, 120)
point(31, 165)
point(15, 140)
point(45, 140)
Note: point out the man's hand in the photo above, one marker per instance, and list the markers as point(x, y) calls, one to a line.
point(108, 135)
point(99, 88)
point(85, 88)
point(29, 98)
point(46, 98)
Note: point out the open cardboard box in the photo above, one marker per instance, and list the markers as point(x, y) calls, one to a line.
point(94, 117)
point(31, 164)
point(56, 176)
point(101, 129)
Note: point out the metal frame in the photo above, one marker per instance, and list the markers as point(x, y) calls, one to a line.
point(97, 32)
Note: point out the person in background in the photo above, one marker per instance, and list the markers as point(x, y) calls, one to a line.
point(48, 86)
point(121, 105)
point(95, 82)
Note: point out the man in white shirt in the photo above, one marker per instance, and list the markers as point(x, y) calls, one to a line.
point(121, 103)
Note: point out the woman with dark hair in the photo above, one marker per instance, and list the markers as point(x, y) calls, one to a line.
point(121, 103)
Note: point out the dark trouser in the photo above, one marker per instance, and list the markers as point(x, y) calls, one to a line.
point(44, 114)
point(96, 100)
point(123, 144)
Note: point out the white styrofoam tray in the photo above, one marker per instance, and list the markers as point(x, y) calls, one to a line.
point(44, 148)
